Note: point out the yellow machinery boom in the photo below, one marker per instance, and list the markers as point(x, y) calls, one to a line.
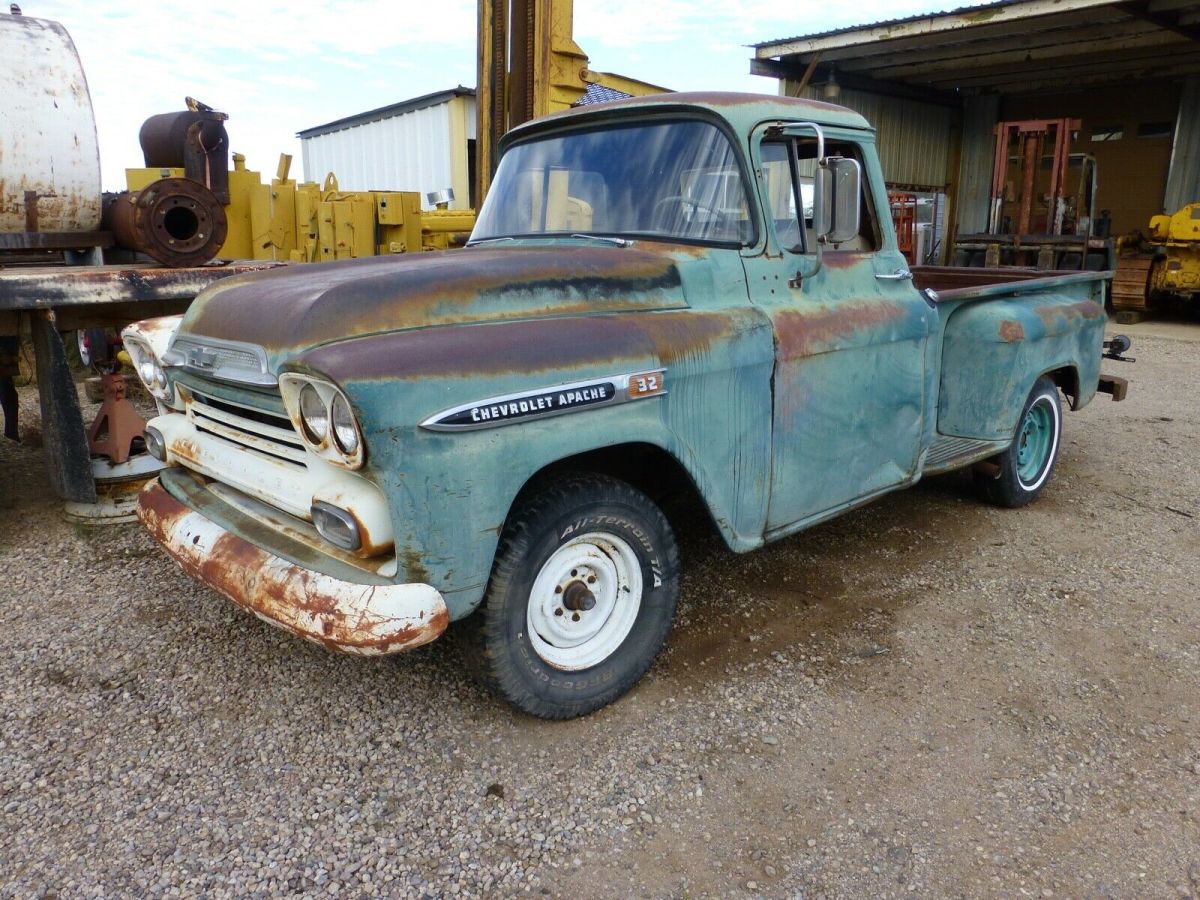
point(530, 66)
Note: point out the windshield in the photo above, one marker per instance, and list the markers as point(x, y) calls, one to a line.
point(676, 180)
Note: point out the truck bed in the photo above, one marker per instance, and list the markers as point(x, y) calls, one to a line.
point(968, 283)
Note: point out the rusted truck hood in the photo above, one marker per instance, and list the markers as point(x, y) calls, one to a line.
point(298, 307)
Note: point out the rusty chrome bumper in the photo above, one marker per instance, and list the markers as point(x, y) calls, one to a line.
point(361, 619)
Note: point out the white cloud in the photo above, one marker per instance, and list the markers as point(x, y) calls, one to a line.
point(277, 69)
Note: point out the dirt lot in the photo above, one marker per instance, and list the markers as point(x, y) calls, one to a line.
point(926, 697)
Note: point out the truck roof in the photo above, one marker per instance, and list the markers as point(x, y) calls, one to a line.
point(743, 111)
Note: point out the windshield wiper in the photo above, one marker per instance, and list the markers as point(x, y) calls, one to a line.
point(620, 242)
point(491, 240)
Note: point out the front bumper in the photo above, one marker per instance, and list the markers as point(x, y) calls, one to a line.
point(361, 619)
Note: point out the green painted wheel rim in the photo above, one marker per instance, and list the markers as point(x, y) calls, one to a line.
point(1034, 442)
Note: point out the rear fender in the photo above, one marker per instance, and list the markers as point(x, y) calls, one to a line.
point(994, 351)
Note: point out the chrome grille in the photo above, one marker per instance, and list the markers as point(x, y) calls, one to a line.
point(262, 431)
point(222, 356)
point(226, 360)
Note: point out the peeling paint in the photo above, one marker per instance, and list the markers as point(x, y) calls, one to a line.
point(359, 619)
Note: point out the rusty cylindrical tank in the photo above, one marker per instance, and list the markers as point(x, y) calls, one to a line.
point(177, 221)
point(49, 157)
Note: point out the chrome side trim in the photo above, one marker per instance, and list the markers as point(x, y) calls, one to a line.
point(553, 400)
point(949, 452)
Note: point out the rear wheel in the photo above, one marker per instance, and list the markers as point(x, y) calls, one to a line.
point(1026, 466)
point(581, 597)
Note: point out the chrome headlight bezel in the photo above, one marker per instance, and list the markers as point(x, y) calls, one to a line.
point(150, 370)
point(323, 441)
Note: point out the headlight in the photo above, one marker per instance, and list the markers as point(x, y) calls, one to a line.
point(322, 415)
point(149, 370)
point(314, 414)
point(344, 430)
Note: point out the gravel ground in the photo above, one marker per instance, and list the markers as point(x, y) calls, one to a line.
point(926, 697)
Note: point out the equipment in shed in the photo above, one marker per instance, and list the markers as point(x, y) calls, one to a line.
point(1164, 266)
point(1042, 211)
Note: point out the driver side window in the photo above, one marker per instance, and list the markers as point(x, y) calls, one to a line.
point(789, 169)
point(784, 202)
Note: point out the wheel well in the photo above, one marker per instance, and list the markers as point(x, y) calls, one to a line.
point(1067, 379)
point(649, 468)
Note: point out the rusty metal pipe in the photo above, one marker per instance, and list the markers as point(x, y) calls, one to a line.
point(176, 221)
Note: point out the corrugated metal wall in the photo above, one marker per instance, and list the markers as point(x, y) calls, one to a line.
point(407, 152)
point(980, 115)
point(1183, 179)
point(913, 137)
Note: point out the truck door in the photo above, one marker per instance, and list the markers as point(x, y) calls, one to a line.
point(852, 337)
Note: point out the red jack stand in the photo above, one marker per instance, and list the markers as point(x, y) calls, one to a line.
point(117, 424)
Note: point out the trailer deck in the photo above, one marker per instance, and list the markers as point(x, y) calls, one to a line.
point(57, 298)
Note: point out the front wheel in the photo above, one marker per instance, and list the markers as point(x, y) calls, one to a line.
point(1025, 467)
point(581, 597)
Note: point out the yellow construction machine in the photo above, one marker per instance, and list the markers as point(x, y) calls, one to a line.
point(188, 205)
point(309, 222)
point(1166, 265)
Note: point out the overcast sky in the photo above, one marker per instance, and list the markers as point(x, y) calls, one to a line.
point(278, 67)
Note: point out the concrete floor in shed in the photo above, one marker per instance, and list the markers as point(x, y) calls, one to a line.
point(928, 696)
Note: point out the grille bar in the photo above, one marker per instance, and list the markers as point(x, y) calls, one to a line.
point(255, 429)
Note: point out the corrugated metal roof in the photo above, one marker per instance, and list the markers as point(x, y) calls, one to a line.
point(1013, 47)
point(388, 112)
point(913, 18)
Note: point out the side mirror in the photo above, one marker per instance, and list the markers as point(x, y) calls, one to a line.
point(839, 186)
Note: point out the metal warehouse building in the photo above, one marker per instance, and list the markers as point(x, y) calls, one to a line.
point(424, 144)
point(935, 86)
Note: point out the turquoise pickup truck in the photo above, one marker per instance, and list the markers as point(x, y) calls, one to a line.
point(693, 295)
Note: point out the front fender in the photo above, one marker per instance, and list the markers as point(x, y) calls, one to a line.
point(450, 492)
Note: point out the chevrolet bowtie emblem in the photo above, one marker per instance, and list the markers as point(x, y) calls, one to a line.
point(202, 358)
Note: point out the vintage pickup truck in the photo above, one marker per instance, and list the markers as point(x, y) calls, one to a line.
point(694, 294)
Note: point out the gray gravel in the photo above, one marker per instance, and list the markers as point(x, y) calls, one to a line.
point(928, 696)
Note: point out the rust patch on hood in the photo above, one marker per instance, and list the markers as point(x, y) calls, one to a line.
point(521, 347)
point(305, 306)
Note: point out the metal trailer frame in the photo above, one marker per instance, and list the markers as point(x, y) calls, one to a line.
point(60, 298)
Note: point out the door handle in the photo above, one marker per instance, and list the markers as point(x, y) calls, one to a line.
point(898, 275)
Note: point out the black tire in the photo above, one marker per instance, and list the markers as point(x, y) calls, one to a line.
point(1026, 466)
point(544, 533)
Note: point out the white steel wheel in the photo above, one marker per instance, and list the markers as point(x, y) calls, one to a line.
point(584, 601)
point(581, 596)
